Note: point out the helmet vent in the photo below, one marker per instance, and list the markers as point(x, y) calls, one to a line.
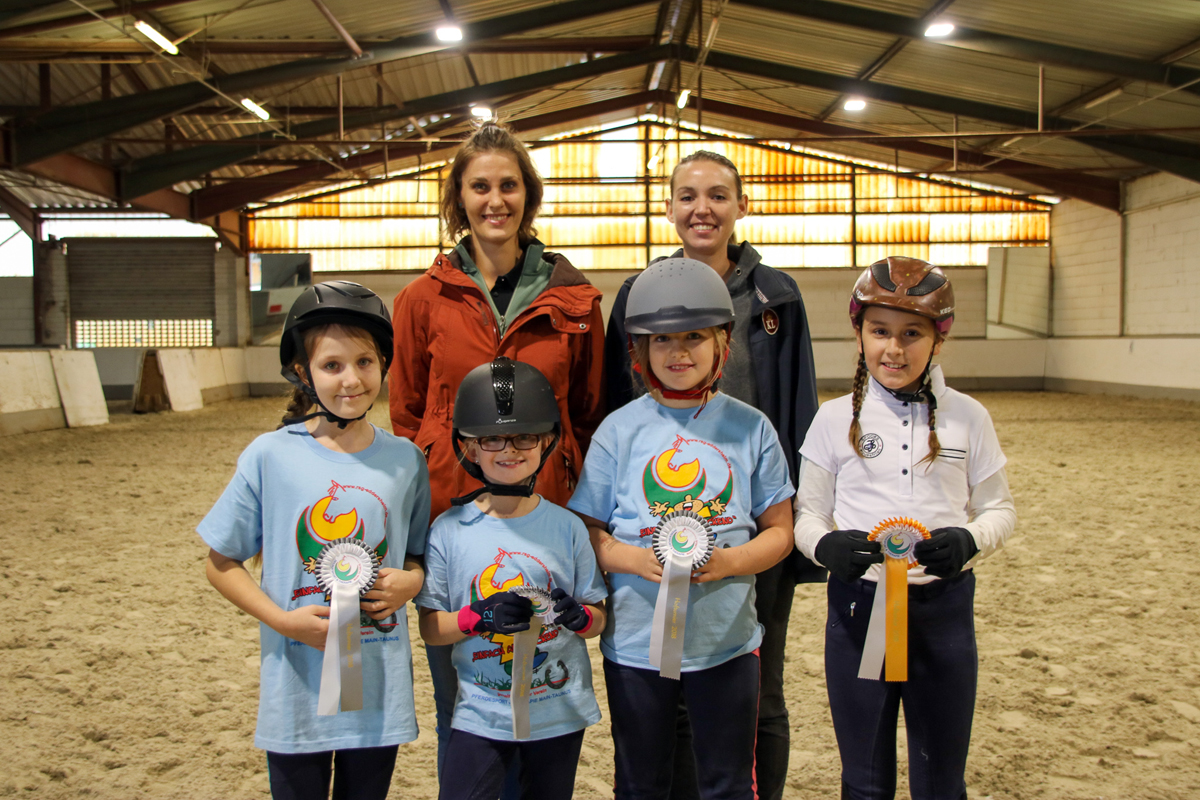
point(503, 384)
point(930, 283)
point(882, 273)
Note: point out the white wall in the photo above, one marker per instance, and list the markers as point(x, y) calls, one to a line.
point(1085, 269)
point(1018, 290)
point(1162, 256)
point(16, 311)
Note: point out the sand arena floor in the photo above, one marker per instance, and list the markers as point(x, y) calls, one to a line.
point(125, 675)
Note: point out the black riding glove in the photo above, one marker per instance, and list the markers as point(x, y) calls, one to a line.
point(945, 552)
point(571, 615)
point(503, 612)
point(847, 554)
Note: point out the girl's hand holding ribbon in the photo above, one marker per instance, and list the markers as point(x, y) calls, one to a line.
point(945, 552)
point(307, 624)
point(720, 565)
point(848, 554)
point(393, 588)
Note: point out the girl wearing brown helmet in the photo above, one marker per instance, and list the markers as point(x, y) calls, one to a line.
point(919, 466)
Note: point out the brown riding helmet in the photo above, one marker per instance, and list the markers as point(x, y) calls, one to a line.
point(905, 284)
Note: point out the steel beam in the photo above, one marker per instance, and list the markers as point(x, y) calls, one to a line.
point(1103, 192)
point(21, 214)
point(1169, 155)
point(83, 19)
point(165, 169)
point(71, 170)
point(986, 42)
point(206, 202)
point(73, 49)
point(37, 137)
point(15, 8)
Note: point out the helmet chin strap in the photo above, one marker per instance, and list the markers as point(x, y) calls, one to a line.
point(297, 381)
point(522, 489)
point(696, 393)
point(923, 394)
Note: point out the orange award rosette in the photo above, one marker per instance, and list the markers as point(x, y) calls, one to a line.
point(887, 631)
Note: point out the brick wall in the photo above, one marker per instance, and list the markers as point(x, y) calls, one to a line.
point(1085, 270)
point(16, 311)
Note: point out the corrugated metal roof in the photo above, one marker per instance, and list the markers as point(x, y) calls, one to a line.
point(1145, 31)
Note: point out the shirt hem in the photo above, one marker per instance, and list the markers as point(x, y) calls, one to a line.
point(342, 743)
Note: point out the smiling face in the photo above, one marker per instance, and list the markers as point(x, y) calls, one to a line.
point(493, 197)
point(897, 346)
point(346, 369)
point(704, 207)
point(682, 361)
point(508, 466)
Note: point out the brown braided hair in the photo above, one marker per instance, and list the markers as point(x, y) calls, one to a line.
point(860, 391)
point(935, 446)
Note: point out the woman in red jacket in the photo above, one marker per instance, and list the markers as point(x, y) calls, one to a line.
point(497, 293)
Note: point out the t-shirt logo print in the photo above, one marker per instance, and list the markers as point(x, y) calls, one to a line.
point(332, 518)
point(498, 577)
point(675, 480)
point(871, 444)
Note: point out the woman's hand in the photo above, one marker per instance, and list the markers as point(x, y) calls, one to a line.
point(307, 624)
point(393, 588)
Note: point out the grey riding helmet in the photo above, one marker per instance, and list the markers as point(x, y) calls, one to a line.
point(677, 294)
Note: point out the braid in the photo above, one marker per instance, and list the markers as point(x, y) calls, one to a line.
point(935, 446)
point(860, 387)
point(299, 404)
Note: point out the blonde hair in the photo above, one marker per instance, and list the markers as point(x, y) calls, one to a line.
point(491, 137)
point(639, 358)
point(860, 390)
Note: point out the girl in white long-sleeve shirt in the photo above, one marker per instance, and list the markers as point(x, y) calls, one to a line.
point(903, 444)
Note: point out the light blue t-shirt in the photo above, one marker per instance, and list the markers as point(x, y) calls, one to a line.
point(289, 496)
point(472, 556)
point(647, 460)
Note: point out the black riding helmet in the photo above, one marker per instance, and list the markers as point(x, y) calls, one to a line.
point(503, 398)
point(331, 303)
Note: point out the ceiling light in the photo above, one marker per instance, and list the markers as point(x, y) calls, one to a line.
point(652, 163)
point(255, 109)
point(939, 29)
point(450, 33)
point(683, 98)
point(156, 37)
point(1104, 98)
point(854, 104)
point(481, 111)
point(1012, 141)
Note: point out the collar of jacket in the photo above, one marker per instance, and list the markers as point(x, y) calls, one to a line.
point(568, 289)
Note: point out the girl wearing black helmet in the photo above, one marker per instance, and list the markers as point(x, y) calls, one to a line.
point(323, 479)
point(493, 545)
point(685, 451)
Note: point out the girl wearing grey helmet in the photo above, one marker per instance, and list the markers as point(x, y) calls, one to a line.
point(683, 454)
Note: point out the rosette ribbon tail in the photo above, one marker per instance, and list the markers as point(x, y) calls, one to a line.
point(886, 647)
point(524, 648)
point(341, 669)
point(670, 616)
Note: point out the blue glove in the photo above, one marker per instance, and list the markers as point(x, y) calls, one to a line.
point(503, 612)
point(571, 615)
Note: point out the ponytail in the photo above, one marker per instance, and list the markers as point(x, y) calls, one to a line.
point(935, 446)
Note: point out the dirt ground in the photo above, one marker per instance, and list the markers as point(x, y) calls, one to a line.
point(125, 675)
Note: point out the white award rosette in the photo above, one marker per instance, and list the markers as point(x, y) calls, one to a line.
point(346, 569)
point(683, 542)
point(524, 649)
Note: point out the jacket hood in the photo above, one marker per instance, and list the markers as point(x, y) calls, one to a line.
point(568, 289)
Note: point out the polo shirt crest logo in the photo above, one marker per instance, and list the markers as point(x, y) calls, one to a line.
point(871, 445)
point(770, 321)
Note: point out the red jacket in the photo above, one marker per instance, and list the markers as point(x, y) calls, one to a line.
point(445, 328)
